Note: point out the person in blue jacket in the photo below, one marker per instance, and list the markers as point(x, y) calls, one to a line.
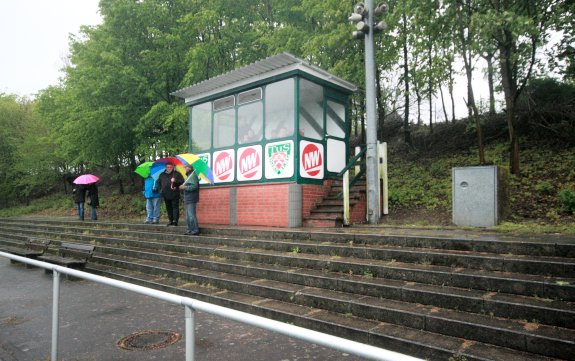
point(153, 201)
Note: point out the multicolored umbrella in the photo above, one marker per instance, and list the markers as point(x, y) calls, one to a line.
point(143, 170)
point(159, 166)
point(201, 168)
point(86, 179)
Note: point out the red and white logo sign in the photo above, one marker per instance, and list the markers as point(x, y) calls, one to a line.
point(224, 166)
point(311, 161)
point(250, 163)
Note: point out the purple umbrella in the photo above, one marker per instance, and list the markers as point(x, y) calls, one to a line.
point(86, 179)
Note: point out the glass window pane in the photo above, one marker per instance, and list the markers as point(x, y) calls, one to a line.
point(225, 128)
point(250, 123)
point(335, 119)
point(201, 127)
point(224, 103)
point(280, 109)
point(250, 96)
point(310, 109)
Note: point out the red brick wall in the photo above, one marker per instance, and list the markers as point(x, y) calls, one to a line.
point(313, 194)
point(263, 205)
point(214, 206)
point(257, 204)
point(357, 213)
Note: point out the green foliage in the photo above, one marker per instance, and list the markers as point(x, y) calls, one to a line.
point(545, 187)
point(139, 205)
point(567, 198)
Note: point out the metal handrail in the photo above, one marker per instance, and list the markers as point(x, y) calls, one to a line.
point(351, 164)
point(191, 305)
point(353, 161)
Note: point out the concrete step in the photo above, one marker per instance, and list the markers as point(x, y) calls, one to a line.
point(509, 246)
point(284, 252)
point(355, 262)
point(456, 291)
point(417, 342)
point(548, 312)
point(454, 258)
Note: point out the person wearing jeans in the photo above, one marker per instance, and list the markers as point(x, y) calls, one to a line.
point(79, 198)
point(93, 200)
point(153, 201)
point(191, 188)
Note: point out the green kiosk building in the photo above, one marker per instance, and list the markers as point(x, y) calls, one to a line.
point(275, 134)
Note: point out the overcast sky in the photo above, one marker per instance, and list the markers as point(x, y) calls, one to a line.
point(34, 40)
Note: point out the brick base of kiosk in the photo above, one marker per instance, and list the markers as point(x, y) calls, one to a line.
point(272, 205)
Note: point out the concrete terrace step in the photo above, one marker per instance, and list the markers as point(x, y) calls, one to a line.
point(556, 313)
point(485, 244)
point(308, 256)
point(224, 249)
point(483, 328)
point(488, 298)
point(538, 265)
point(408, 340)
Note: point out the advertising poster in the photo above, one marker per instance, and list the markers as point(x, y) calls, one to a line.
point(250, 163)
point(206, 157)
point(279, 159)
point(224, 165)
point(311, 162)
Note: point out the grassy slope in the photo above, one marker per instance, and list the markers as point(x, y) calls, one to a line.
point(420, 183)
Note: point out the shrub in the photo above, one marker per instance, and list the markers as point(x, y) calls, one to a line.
point(545, 187)
point(567, 199)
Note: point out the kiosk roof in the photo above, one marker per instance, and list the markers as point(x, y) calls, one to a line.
point(260, 70)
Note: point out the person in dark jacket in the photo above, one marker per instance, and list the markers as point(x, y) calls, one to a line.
point(191, 188)
point(169, 183)
point(93, 200)
point(79, 192)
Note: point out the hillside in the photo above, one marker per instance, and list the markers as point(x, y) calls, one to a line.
point(420, 174)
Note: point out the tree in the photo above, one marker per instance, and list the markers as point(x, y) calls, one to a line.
point(462, 12)
point(518, 29)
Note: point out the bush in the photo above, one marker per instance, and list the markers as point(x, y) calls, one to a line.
point(545, 187)
point(567, 199)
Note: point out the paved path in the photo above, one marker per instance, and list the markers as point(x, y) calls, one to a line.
point(94, 317)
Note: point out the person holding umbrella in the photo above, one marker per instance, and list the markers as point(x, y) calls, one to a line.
point(79, 192)
point(82, 183)
point(93, 200)
point(169, 182)
point(191, 188)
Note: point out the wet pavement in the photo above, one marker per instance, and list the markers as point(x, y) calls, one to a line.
point(95, 317)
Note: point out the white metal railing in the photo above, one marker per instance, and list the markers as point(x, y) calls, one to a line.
point(191, 305)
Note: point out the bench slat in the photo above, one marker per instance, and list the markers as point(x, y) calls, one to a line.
point(70, 255)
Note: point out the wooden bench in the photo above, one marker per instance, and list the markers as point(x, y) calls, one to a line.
point(33, 248)
point(70, 255)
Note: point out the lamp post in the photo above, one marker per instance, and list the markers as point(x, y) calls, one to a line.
point(364, 19)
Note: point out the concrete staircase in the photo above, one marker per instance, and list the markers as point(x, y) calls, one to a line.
point(435, 298)
point(329, 212)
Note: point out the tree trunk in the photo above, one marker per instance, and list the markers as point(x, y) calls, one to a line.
point(510, 91)
point(467, 59)
point(443, 104)
point(430, 83)
point(490, 81)
point(418, 97)
point(406, 131)
point(451, 93)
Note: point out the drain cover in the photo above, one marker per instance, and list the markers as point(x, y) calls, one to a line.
point(149, 340)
